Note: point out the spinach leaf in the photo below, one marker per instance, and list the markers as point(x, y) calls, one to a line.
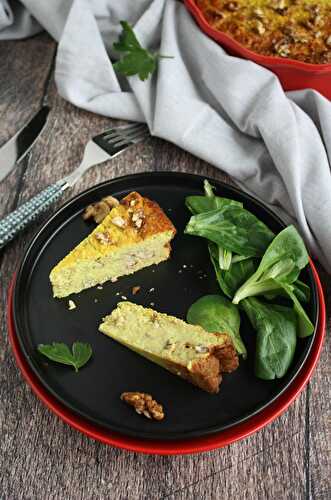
point(278, 272)
point(276, 337)
point(217, 314)
point(230, 280)
point(305, 326)
point(282, 262)
point(233, 228)
point(300, 290)
point(59, 352)
point(200, 204)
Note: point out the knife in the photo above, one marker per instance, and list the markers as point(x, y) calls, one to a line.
point(20, 144)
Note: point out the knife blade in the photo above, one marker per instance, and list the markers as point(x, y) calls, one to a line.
point(20, 144)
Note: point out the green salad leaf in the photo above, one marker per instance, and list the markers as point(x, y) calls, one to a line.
point(200, 204)
point(276, 337)
point(60, 352)
point(300, 290)
point(217, 314)
point(277, 274)
point(305, 326)
point(230, 280)
point(233, 228)
point(281, 263)
point(135, 59)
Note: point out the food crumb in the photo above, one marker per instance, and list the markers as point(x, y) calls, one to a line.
point(152, 304)
point(95, 300)
point(100, 287)
point(135, 290)
point(151, 289)
point(124, 297)
point(184, 266)
point(180, 271)
point(117, 293)
point(71, 305)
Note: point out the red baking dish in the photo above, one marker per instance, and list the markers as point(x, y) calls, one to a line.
point(179, 447)
point(293, 75)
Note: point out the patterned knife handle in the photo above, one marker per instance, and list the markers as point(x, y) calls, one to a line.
point(20, 218)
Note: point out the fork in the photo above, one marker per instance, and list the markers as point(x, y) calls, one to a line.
point(100, 148)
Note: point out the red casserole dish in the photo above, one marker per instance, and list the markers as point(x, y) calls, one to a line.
point(293, 75)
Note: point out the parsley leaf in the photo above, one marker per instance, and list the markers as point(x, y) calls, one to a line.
point(59, 352)
point(135, 59)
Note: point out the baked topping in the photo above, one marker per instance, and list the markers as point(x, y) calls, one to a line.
point(144, 404)
point(103, 238)
point(135, 290)
point(119, 221)
point(138, 218)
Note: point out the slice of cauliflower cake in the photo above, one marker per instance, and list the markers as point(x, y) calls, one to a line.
point(186, 350)
point(135, 234)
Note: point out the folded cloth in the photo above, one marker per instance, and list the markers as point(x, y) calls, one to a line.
point(230, 112)
point(16, 22)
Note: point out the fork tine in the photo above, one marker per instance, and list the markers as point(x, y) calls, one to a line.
point(128, 140)
point(117, 139)
point(123, 131)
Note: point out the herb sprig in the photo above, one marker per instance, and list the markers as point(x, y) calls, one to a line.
point(60, 352)
point(135, 60)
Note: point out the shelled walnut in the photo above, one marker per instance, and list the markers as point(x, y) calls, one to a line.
point(144, 404)
point(99, 210)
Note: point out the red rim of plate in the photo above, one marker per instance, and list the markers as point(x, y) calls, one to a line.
point(240, 49)
point(181, 447)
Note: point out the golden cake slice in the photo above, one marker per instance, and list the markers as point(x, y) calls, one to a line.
point(135, 234)
point(186, 350)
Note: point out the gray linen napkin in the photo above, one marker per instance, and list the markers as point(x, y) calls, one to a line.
point(225, 110)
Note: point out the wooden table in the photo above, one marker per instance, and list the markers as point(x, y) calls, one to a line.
point(43, 458)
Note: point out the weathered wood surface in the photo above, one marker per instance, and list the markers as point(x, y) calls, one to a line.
point(43, 458)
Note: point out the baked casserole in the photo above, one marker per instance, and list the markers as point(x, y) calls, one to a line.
point(295, 29)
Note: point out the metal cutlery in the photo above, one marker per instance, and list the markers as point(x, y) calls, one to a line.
point(99, 149)
point(20, 144)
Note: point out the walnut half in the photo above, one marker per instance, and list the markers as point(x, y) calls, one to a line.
point(99, 210)
point(144, 404)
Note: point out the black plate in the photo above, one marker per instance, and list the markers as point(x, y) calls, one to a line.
point(94, 392)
